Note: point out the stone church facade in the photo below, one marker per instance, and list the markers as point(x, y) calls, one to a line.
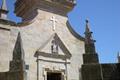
point(44, 46)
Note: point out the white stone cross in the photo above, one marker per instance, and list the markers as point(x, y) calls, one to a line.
point(54, 20)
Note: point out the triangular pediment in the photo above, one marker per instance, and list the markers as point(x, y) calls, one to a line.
point(53, 47)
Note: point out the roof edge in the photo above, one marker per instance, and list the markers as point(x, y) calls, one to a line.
point(74, 33)
point(7, 22)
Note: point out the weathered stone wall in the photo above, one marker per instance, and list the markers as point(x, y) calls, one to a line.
point(101, 71)
point(38, 32)
point(3, 76)
point(90, 58)
point(111, 71)
point(35, 35)
point(11, 76)
point(91, 72)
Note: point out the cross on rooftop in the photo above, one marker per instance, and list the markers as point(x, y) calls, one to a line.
point(54, 20)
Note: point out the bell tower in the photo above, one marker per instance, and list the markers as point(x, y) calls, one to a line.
point(28, 9)
point(90, 55)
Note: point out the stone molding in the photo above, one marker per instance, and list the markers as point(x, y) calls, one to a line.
point(22, 6)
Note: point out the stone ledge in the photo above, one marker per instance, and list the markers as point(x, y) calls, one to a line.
point(7, 22)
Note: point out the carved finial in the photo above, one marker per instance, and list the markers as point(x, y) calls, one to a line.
point(118, 55)
point(89, 42)
point(18, 52)
point(87, 30)
point(87, 20)
point(88, 33)
point(18, 62)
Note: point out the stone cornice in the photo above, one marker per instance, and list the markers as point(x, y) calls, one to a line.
point(74, 33)
point(7, 22)
point(5, 28)
point(57, 7)
point(14, 24)
point(22, 7)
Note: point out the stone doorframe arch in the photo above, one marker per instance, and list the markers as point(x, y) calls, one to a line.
point(53, 70)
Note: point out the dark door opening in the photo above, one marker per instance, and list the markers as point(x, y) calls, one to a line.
point(54, 76)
